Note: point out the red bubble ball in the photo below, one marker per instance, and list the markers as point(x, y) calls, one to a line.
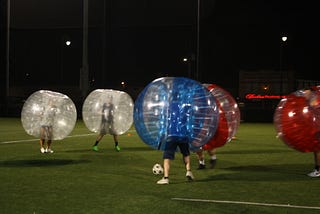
point(297, 121)
point(221, 136)
point(229, 117)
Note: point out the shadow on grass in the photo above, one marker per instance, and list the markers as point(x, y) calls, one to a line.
point(282, 169)
point(262, 151)
point(260, 173)
point(139, 149)
point(78, 151)
point(39, 162)
point(103, 149)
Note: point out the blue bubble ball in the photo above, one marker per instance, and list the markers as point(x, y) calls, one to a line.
point(175, 109)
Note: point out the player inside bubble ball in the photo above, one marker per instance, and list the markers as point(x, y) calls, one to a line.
point(177, 127)
point(47, 115)
point(313, 97)
point(107, 124)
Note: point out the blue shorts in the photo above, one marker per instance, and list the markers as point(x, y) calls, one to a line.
point(171, 148)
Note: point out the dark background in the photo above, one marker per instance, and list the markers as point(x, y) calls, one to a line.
point(136, 41)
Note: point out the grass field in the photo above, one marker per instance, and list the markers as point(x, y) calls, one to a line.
point(256, 173)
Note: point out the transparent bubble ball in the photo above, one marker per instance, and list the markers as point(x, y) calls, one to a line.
point(175, 109)
point(49, 108)
point(229, 119)
point(120, 117)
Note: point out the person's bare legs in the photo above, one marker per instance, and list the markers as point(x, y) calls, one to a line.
point(212, 152)
point(49, 141)
point(115, 138)
point(48, 150)
point(316, 171)
point(213, 157)
point(187, 163)
point(42, 140)
point(316, 156)
point(100, 136)
point(200, 156)
point(42, 149)
point(166, 168)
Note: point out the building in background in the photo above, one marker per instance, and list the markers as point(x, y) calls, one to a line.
point(260, 92)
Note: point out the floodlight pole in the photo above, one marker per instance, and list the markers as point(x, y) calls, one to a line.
point(197, 76)
point(282, 44)
point(8, 51)
point(84, 73)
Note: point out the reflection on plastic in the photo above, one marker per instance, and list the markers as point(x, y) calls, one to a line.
point(297, 121)
point(110, 108)
point(175, 109)
point(49, 108)
point(229, 120)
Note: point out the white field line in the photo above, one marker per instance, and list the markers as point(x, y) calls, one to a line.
point(246, 203)
point(29, 140)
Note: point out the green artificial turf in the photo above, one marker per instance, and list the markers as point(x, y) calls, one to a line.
point(256, 167)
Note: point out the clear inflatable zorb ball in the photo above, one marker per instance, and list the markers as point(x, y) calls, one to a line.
point(229, 107)
point(49, 108)
point(175, 109)
point(229, 119)
point(108, 111)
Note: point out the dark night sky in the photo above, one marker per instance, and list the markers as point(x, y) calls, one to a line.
point(137, 41)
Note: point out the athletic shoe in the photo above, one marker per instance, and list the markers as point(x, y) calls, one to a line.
point(314, 173)
point(117, 148)
point(49, 151)
point(201, 166)
point(163, 181)
point(42, 150)
point(189, 176)
point(95, 148)
point(213, 163)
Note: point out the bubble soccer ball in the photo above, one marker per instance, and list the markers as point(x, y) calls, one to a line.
point(112, 107)
point(49, 108)
point(229, 119)
point(175, 109)
point(297, 121)
point(157, 169)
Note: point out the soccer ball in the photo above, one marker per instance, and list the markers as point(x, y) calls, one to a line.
point(157, 169)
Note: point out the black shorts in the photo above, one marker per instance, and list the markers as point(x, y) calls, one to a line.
point(171, 148)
